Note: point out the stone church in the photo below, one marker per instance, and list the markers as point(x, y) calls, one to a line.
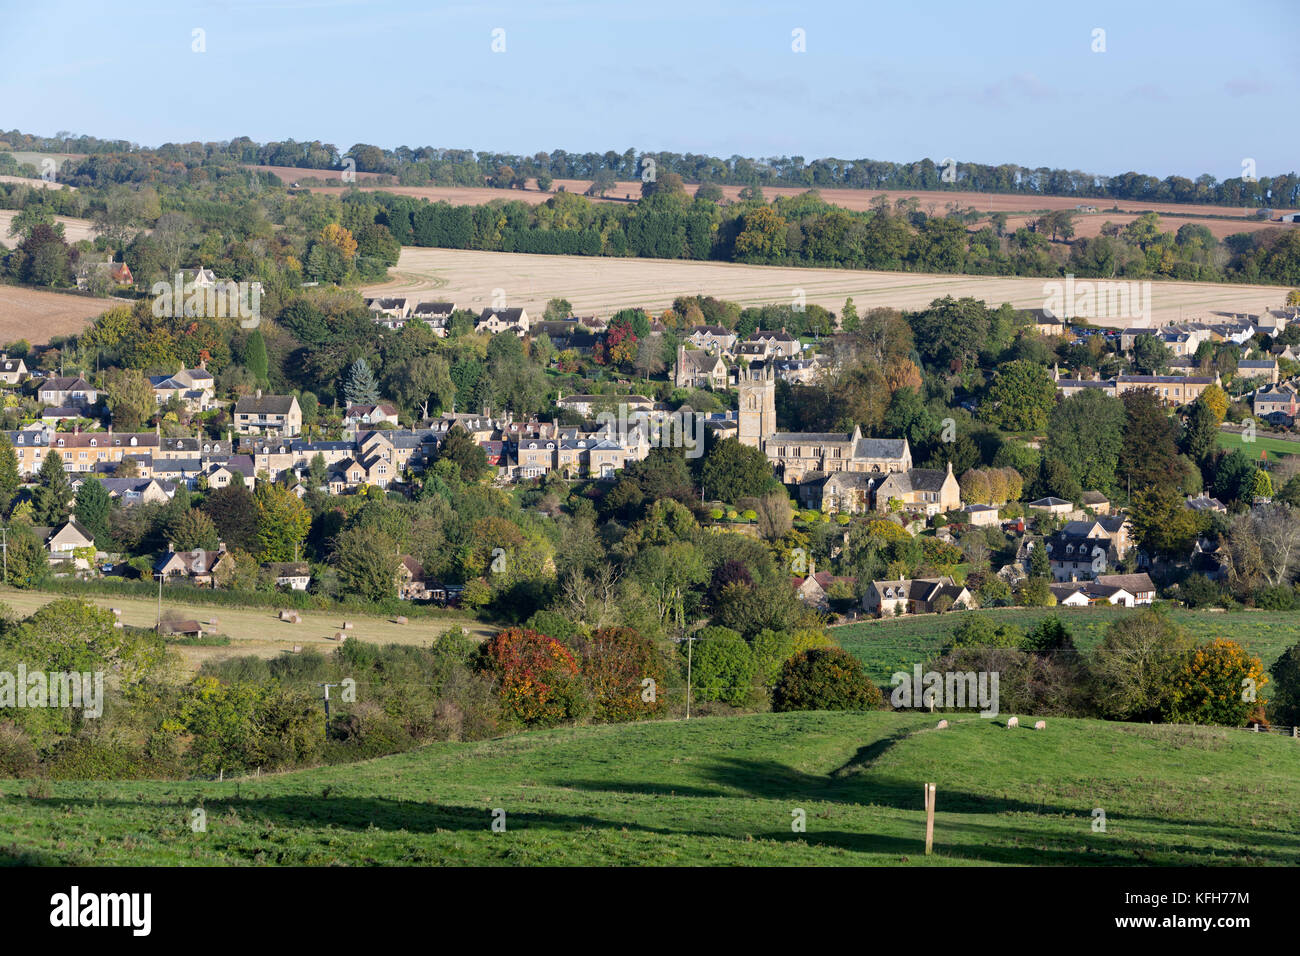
point(838, 471)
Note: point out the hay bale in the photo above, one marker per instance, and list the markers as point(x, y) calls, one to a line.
point(338, 636)
point(942, 725)
point(401, 619)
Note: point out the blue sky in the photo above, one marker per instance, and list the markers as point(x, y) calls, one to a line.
point(1181, 88)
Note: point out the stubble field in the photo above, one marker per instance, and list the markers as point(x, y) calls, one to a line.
point(602, 286)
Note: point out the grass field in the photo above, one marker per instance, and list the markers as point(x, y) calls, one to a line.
point(894, 644)
point(712, 791)
point(604, 285)
point(258, 631)
point(1274, 446)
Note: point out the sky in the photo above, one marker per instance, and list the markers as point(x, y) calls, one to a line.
point(1180, 88)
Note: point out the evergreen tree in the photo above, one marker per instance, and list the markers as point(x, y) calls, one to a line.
point(53, 492)
point(10, 479)
point(92, 508)
point(255, 358)
point(361, 387)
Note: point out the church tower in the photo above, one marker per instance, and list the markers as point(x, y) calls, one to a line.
point(757, 415)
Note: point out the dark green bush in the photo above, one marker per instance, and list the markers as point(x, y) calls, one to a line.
point(824, 678)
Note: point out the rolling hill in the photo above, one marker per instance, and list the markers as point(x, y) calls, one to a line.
point(712, 791)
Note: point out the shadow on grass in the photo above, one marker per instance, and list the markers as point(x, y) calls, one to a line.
point(1059, 836)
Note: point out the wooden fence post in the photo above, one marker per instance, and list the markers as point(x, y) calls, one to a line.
point(929, 816)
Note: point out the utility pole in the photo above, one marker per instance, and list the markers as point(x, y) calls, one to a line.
point(327, 706)
point(4, 545)
point(159, 576)
point(690, 644)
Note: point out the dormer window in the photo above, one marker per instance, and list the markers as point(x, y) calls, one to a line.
point(60, 442)
point(134, 441)
point(94, 443)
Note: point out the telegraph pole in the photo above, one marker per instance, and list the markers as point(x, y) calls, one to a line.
point(4, 545)
point(327, 706)
point(159, 576)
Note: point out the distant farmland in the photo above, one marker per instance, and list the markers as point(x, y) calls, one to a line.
point(37, 315)
point(604, 285)
point(1021, 208)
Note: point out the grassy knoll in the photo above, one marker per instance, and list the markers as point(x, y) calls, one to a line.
point(891, 644)
point(713, 791)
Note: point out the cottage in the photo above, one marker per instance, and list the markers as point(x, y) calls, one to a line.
point(1140, 586)
point(268, 414)
point(72, 543)
point(290, 575)
point(62, 391)
point(918, 596)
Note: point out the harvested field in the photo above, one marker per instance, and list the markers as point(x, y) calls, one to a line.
point(37, 315)
point(1089, 224)
point(930, 201)
point(258, 631)
point(35, 183)
point(290, 174)
point(602, 286)
point(74, 230)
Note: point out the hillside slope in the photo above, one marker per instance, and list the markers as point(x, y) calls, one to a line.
point(713, 791)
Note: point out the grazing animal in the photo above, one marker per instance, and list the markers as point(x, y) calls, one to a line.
point(942, 725)
point(1013, 722)
point(1041, 725)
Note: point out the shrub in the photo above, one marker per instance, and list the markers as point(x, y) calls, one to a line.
point(824, 679)
point(553, 625)
point(1199, 591)
point(615, 662)
point(17, 754)
point(771, 650)
point(1210, 688)
point(537, 677)
point(723, 666)
point(1286, 687)
point(1277, 598)
point(806, 638)
point(977, 630)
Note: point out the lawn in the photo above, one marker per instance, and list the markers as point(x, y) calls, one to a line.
point(1274, 446)
point(894, 644)
point(712, 791)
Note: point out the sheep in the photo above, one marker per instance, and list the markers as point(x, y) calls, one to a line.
point(1041, 725)
point(942, 725)
point(1013, 722)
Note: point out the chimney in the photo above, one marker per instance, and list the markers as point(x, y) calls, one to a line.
point(259, 393)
